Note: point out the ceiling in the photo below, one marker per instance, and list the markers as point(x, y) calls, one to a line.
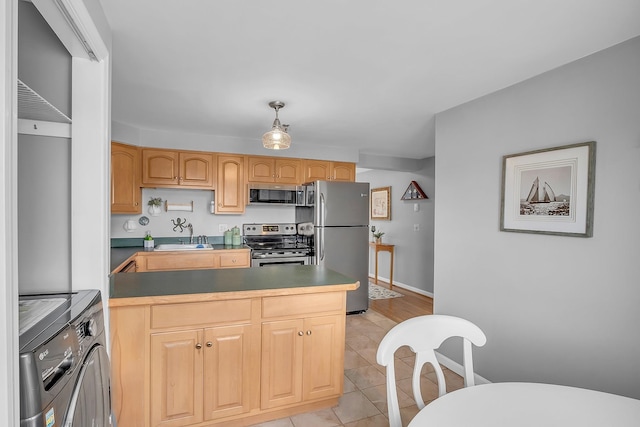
point(362, 74)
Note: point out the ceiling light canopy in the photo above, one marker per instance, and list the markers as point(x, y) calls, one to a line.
point(277, 138)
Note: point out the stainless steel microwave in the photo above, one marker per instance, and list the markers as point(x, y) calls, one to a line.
point(275, 194)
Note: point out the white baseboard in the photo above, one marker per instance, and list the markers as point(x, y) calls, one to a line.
point(458, 368)
point(404, 286)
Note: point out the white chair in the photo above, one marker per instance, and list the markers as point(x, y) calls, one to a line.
point(423, 335)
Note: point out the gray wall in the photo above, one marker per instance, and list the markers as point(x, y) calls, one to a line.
point(413, 266)
point(44, 163)
point(555, 309)
point(44, 214)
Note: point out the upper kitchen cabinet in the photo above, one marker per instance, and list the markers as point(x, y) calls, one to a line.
point(230, 189)
point(174, 169)
point(126, 193)
point(329, 171)
point(274, 170)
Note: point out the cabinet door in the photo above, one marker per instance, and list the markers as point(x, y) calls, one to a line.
point(227, 370)
point(126, 194)
point(176, 261)
point(317, 170)
point(197, 170)
point(323, 356)
point(288, 171)
point(159, 167)
point(176, 378)
point(235, 259)
point(230, 188)
point(281, 376)
point(260, 169)
point(342, 171)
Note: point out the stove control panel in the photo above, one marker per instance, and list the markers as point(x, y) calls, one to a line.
point(269, 229)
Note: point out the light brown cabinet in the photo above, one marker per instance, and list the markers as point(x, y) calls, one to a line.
point(230, 188)
point(218, 360)
point(196, 260)
point(126, 194)
point(303, 356)
point(174, 169)
point(328, 171)
point(274, 170)
point(199, 374)
point(300, 360)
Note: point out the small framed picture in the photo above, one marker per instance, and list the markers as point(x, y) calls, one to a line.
point(549, 191)
point(381, 203)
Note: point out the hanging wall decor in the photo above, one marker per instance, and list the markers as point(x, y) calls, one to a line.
point(381, 203)
point(549, 191)
point(414, 192)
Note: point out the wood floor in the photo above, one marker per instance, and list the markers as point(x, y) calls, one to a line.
point(400, 309)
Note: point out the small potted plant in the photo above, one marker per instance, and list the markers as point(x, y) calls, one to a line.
point(378, 236)
point(154, 205)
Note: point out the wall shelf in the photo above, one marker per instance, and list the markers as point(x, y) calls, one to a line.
point(414, 192)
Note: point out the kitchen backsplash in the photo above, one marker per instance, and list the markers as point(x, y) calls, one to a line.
point(201, 219)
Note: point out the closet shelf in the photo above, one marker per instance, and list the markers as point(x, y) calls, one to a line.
point(32, 106)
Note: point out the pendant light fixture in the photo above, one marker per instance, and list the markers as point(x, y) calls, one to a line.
point(277, 138)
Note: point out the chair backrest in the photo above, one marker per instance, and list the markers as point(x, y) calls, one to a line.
point(423, 335)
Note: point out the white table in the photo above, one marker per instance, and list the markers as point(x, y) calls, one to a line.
point(528, 405)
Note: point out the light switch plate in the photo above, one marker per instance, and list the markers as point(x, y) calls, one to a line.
point(222, 228)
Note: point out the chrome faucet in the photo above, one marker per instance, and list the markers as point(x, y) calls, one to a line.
point(190, 227)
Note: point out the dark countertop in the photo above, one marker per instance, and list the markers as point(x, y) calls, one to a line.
point(120, 255)
point(158, 285)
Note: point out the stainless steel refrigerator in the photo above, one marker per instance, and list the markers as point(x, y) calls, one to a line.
point(339, 212)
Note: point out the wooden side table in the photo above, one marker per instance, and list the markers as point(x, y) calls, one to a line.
point(384, 248)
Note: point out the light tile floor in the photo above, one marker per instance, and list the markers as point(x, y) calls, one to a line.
point(364, 402)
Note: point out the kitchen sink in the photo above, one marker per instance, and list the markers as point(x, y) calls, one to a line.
point(184, 247)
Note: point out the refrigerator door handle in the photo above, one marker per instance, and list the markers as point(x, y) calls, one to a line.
point(322, 210)
point(320, 246)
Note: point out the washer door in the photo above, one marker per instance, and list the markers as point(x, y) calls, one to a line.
point(90, 403)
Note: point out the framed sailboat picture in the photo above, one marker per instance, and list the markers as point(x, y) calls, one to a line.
point(549, 191)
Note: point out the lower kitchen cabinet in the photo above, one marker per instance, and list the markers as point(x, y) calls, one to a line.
point(181, 260)
point(204, 360)
point(176, 383)
point(201, 374)
point(302, 359)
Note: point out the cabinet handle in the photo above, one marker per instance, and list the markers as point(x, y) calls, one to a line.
point(220, 204)
point(309, 332)
point(175, 177)
point(136, 203)
point(209, 344)
point(198, 346)
point(300, 333)
point(234, 260)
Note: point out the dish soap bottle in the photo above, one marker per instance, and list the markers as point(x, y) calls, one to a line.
point(148, 241)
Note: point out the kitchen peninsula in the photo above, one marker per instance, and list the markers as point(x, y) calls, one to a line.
point(226, 346)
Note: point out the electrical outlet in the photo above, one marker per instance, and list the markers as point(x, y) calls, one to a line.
point(222, 228)
point(416, 227)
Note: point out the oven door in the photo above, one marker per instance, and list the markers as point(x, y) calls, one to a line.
point(265, 262)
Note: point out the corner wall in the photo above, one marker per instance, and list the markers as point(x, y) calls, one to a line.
point(555, 309)
point(413, 252)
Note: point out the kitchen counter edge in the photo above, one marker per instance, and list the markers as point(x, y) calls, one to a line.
point(129, 289)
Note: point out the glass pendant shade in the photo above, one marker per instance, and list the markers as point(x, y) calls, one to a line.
point(277, 138)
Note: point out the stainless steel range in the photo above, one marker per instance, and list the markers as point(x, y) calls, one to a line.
point(277, 244)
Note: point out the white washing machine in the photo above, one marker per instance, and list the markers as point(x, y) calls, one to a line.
point(64, 366)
